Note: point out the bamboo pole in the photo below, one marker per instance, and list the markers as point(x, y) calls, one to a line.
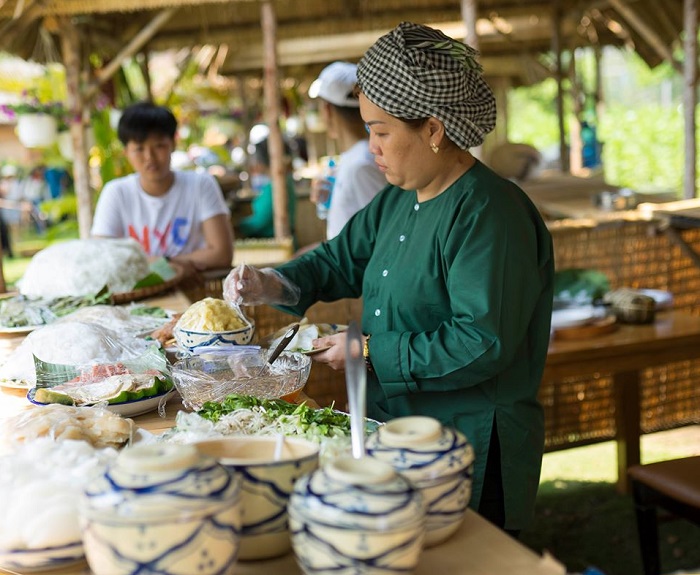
point(77, 110)
point(690, 76)
point(470, 16)
point(557, 48)
point(273, 113)
point(136, 43)
point(645, 31)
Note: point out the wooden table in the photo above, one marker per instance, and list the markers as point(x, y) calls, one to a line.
point(674, 336)
point(478, 548)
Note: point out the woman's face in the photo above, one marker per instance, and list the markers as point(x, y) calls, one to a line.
point(400, 151)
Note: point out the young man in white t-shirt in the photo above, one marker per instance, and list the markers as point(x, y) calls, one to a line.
point(176, 214)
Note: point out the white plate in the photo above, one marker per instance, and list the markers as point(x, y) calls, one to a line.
point(573, 316)
point(35, 560)
point(15, 384)
point(126, 409)
point(663, 299)
point(22, 330)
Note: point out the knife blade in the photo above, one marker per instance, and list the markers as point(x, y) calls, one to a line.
point(356, 383)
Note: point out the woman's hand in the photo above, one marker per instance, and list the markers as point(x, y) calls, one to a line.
point(248, 285)
point(335, 355)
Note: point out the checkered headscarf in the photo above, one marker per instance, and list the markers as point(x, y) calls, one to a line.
point(417, 72)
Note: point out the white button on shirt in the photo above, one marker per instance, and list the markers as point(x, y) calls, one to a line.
point(377, 312)
point(402, 238)
point(416, 207)
point(385, 273)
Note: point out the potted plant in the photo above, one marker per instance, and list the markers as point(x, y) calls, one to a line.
point(37, 122)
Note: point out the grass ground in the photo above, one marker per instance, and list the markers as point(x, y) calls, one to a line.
point(583, 521)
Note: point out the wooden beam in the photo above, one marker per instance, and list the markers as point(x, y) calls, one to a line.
point(136, 43)
point(78, 110)
point(557, 49)
point(273, 112)
point(690, 80)
point(645, 31)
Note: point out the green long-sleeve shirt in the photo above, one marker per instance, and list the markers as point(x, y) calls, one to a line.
point(457, 296)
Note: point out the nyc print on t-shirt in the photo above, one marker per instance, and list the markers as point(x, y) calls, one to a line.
point(175, 233)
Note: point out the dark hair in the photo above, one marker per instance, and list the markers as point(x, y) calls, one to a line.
point(261, 152)
point(351, 115)
point(139, 121)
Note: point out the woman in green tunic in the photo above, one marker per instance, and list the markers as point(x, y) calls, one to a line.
point(454, 265)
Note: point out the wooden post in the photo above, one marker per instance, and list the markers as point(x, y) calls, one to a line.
point(690, 76)
point(273, 112)
point(470, 16)
point(557, 48)
point(134, 45)
point(78, 113)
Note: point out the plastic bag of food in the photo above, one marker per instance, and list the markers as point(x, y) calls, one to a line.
point(70, 343)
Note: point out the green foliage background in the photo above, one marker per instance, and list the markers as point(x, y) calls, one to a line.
point(641, 125)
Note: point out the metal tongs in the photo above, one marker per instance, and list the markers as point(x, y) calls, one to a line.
point(279, 348)
point(356, 382)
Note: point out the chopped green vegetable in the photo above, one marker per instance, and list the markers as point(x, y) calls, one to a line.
point(150, 311)
point(326, 421)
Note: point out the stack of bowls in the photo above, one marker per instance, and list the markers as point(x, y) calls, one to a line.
point(356, 516)
point(438, 460)
point(269, 467)
point(163, 509)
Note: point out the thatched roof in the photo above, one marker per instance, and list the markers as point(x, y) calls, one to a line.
point(314, 32)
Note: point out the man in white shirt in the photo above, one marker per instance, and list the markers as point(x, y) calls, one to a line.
point(176, 214)
point(357, 177)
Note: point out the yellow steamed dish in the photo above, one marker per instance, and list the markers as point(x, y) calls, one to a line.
point(211, 314)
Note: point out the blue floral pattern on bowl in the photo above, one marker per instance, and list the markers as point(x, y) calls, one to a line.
point(162, 509)
point(29, 560)
point(438, 460)
point(356, 516)
point(191, 340)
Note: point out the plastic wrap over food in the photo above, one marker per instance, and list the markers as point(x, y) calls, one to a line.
point(213, 376)
point(70, 343)
point(97, 426)
point(248, 285)
point(120, 319)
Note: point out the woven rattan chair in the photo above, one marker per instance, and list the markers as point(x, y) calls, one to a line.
point(672, 485)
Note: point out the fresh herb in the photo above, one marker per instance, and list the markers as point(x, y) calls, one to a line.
point(326, 421)
point(150, 311)
point(23, 311)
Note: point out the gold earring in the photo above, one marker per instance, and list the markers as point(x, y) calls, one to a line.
point(434, 147)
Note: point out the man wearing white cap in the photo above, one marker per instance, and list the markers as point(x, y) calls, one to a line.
point(358, 178)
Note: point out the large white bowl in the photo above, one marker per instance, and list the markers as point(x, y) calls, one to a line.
point(192, 340)
point(32, 560)
point(267, 485)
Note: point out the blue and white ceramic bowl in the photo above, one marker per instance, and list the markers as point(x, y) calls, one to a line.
point(356, 516)
point(192, 340)
point(439, 460)
point(269, 467)
point(163, 509)
point(31, 560)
